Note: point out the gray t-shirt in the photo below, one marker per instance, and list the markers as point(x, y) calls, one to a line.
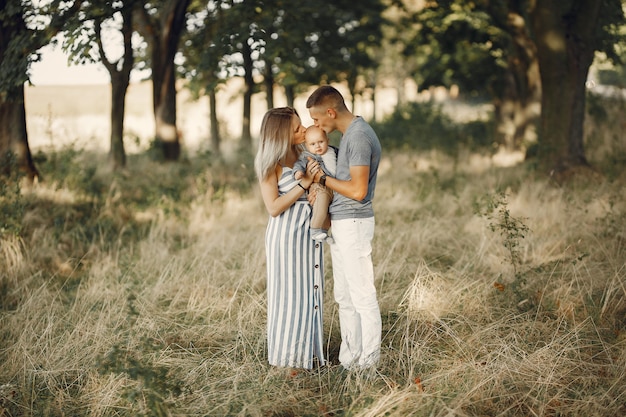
point(359, 146)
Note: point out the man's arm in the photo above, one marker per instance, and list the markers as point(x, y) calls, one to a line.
point(354, 188)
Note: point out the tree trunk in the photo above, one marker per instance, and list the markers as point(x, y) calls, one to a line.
point(290, 93)
point(400, 91)
point(517, 114)
point(117, 154)
point(564, 39)
point(13, 136)
point(246, 137)
point(14, 149)
point(166, 133)
point(372, 85)
point(269, 85)
point(351, 80)
point(165, 35)
point(215, 128)
point(120, 79)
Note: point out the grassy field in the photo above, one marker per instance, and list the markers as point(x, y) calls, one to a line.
point(143, 293)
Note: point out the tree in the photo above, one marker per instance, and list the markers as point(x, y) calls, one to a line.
point(334, 43)
point(14, 62)
point(485, 48)
point(24, 29)
point(251, 38)
point(204, 52)
point(567, 35)
point(244, 24)
point(522, 50)
point(518, 105)
point(224, 44)
point(355, 40)
point(162, 23)
point(394, 63)
point(283, 43)
point(83, 40)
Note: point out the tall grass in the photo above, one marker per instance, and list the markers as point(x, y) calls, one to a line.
point(143, 293)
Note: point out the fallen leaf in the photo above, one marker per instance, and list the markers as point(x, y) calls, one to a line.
point(418, 382)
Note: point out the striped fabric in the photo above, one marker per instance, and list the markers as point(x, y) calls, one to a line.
point(295, 285)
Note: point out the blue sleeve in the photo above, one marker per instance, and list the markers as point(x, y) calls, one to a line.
point(300, 165)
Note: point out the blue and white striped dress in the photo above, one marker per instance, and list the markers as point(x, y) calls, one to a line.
point(295, 285)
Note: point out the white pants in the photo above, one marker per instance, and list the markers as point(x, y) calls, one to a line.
point(353, 273)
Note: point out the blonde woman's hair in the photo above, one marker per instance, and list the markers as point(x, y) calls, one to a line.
point(275, 139)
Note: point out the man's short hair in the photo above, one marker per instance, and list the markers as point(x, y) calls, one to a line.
point(327, 96)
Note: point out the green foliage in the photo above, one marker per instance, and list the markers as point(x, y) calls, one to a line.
point(82, 34)
point(331, 44)
point(612, 71)
point(16, 46)
point(605, 145)
point(614, 76)
point(70, 167)
point(512, 229)
point(471, 44)
point(610, 32)
point(424, 126)
point(26, 26)
point(597, 109)
point(459, 43)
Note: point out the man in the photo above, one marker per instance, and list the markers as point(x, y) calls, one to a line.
point(352, 219)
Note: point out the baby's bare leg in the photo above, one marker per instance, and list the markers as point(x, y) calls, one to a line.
point(320, 207)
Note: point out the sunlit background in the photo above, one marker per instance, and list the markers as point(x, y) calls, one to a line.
point(54, 69)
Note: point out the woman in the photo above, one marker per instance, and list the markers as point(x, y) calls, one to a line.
point(295, 271)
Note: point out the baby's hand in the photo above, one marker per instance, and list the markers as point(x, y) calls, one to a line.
point(298, 174)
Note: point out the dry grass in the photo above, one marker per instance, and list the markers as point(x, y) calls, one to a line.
point(112, 306)
point(143, 292)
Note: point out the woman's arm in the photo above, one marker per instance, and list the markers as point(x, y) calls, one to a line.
point(275, 203)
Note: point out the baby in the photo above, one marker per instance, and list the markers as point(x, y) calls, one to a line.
point(318, 148)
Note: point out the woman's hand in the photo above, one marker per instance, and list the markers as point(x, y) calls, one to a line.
point(315, 169)
point(312, 168)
